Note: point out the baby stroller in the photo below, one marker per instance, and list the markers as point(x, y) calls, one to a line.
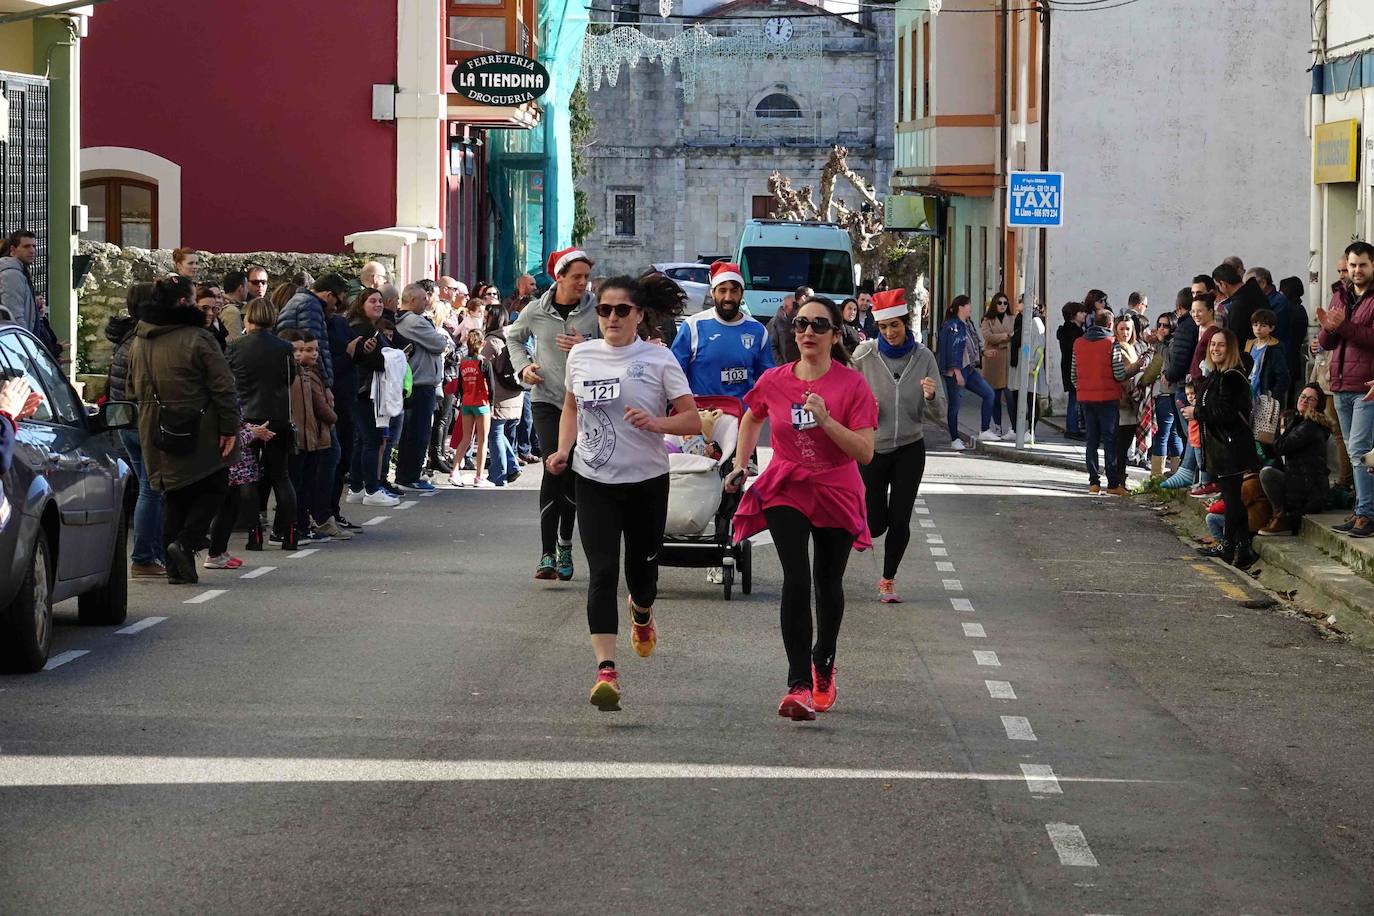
point(700, 533)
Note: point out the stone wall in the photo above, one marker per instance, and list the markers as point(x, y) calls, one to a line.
point(114, 269)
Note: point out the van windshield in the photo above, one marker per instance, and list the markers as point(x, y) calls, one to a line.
point(827, 271)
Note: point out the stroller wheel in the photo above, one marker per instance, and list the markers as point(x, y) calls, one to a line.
point(727, 578)
point(746, 568)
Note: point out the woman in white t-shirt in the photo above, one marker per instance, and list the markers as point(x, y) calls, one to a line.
point(615, 415)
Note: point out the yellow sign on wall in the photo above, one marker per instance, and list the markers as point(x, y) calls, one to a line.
point(1335, 152)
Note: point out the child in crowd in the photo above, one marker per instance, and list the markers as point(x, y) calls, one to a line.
point(1189, 471)
point(313, 416)
point(474, 386)
point(241, 496)
point(1269, 373)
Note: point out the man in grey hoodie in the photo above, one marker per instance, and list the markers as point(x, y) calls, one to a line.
point(426, 346)
point(553, 324)
point(16, 290)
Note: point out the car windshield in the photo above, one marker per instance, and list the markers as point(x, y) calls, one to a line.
point(827, 271)
point(16, 363)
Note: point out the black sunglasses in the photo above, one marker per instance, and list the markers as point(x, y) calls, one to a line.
point(819, 325)
point(621, 311)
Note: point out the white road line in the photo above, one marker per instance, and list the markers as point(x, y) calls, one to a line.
point(1072, 845)
point(921, 510)
point(19, 770)
point(961, 604)
point(942, 488)
point(406, 504)
point(1000, 690)
point(986, 659)
point(974, 631)
point(920, 502)
point(209, 595)
point(1018, 728)
point(57, 661)
point(939, 552)
point(952, 585)
point(935, 539)
point(1040, 779)
point(944, 567)
point(763, 537)
point(139, 627)
point(377, 520)
point(302, 554)
point(257, 573)
point(927, 523)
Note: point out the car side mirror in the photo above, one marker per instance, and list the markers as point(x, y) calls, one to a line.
point(115, 415)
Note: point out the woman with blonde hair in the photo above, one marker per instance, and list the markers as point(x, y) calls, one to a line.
point(997, 329)
point(1228, 446)
point(1130, 355)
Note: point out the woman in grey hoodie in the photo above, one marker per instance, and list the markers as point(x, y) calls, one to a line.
point(905, 378)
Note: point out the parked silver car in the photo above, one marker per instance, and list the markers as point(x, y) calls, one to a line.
point(67, 488)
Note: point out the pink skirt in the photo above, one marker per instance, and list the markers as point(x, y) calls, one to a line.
point(828, 497)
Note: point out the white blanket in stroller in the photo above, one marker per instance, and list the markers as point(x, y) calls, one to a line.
point(694, 484)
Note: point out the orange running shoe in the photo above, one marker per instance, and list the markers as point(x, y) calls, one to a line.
point(887, 592)
point(606, 692)
point(642, 636)
point(797, 704)
point(823, 689)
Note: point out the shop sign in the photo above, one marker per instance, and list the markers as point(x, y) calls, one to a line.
point(1035, 199)
point(501, 79)
point(1335, 152)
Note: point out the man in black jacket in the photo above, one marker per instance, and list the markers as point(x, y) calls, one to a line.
point(1242, 299)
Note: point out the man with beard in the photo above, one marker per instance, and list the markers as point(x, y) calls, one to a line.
point(722, 350)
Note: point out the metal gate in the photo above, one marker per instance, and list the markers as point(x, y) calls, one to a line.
point(24, 166)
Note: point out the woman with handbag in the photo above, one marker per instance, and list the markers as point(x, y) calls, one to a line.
point(1228, 445)
point(1300, 482)
point(188, 419)
point(1270, 378)
point(1131, 356)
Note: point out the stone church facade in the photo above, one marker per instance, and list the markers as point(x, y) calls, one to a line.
point(674, 179)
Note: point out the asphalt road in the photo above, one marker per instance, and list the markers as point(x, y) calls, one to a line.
point(1068, 715)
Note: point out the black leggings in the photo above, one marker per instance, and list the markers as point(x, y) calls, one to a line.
point(606, 514)
point(892, 481)
point(1237, 519)
point(274, 459)
point(188, 512)
point(1125, 438)
point(791, 531)
point(557, 492)
point(237, 500)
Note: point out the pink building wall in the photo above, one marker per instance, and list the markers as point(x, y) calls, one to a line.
point(266, 106)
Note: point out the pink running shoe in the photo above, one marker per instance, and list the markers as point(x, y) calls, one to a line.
point(797, 704)
point(887, 591)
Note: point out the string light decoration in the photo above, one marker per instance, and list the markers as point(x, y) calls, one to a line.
point(697, 52)
point(665, 8)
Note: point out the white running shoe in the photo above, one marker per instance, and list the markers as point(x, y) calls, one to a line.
point(456, 481)
point(482, 483)
point(381, 498)
point(355, 496)
point(988, 435)
point(957, 445)
point(1009, 436)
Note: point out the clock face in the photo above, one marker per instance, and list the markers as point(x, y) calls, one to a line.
point(778, 30)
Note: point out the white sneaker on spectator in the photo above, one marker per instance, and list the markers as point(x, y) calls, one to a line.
point(456, 481)
point(957, 445)
point(1009, 436)
point(355, 496)
point(330, 528)
point(482, 483)
point(988, 435)
point(381, 498)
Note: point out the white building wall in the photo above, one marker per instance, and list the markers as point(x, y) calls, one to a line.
point(1179, 148)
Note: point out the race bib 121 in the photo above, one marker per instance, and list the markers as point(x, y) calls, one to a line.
point(599, 391)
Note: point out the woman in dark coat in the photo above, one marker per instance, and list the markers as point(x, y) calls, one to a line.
point(1228, 445)
point(1301, 481)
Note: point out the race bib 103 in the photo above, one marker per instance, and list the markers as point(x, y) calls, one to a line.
point(734, 376)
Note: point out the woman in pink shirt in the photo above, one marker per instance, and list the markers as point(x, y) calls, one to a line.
point(824, 415)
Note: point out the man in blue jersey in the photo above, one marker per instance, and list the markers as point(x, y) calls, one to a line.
point(722, 350)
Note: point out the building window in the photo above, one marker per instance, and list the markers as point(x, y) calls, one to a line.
point(121, 211)
point(476, 34)
point(778, 105)
point(925, 69)
point(625, 12)
point(901, 77)
point(763, 205)
point(625, 205)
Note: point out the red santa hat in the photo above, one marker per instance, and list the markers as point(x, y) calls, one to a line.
point(559, 260)
point(889, 304)
point(724, 272)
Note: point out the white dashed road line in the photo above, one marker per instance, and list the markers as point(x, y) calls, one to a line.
point(1018, 728)
point(406, 504)
point(944, 566)
point(975, 631)
point(377, 521)
point(1040, 779)
point(205, 596)
point(302, 554)
point(920, 502)
point(934, 539)
point(927, 523)
point(986, 659)
point(1000, 690)
point(961, 604)
point(952, 585)
point(257, 573)
point(1071, 845)
point(57, 661)
point(939, 552)
point(139, 627)
point(921, 510)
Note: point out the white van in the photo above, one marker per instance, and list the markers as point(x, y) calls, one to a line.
point(777, 256)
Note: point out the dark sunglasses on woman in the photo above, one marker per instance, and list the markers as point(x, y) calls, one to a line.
point(621, 311)
point(819, 325)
